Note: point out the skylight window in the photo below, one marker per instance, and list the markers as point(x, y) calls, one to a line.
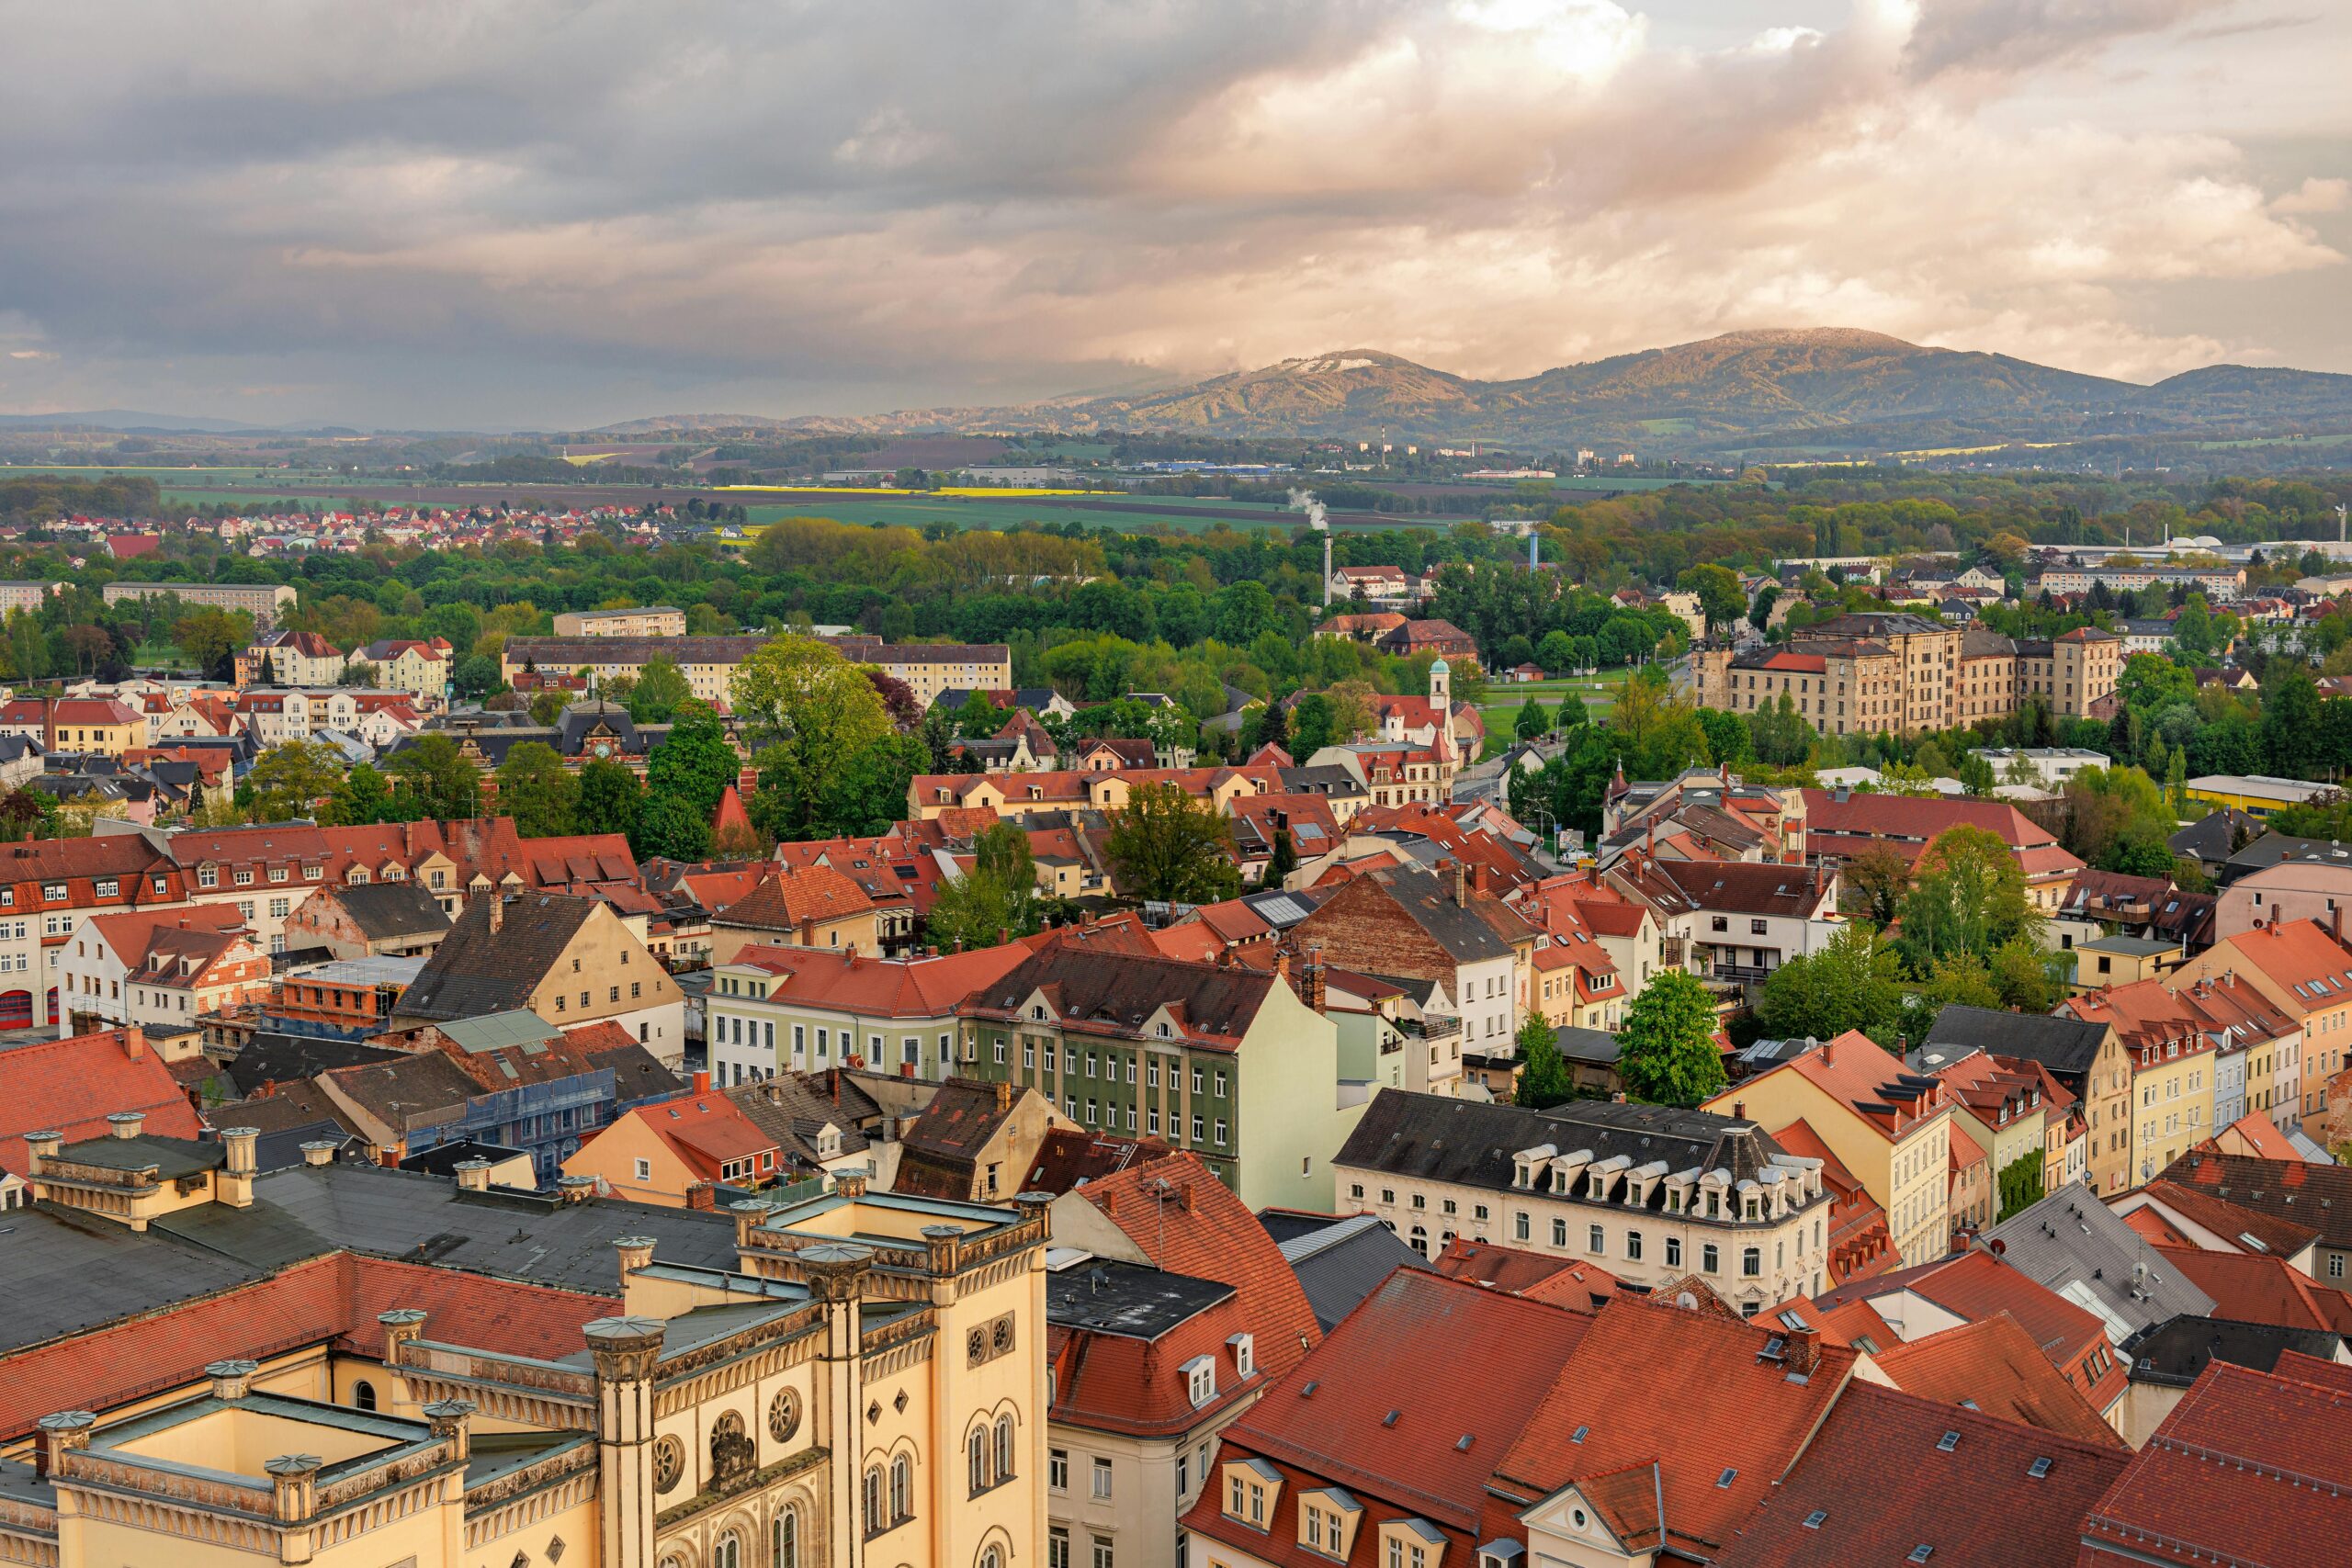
point(1920, 1553)
point(1577, 1435)
point(1726, 1478)
point(2040, 1469)
point(1812, 1520)
point(1948, 1442)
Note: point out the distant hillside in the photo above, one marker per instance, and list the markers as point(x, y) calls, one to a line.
point(123, 419)
point(1766, 388)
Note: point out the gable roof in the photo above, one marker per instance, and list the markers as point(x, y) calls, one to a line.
point(1117, 992)
point(2084, 1250)
point(2066, 1045)
point(1695, 1393)
point(793, 896)
point(71, 1086)
point(383, 911)
point(2247, 1287)
point(1877, 1483)
point(1070, 1158)
point(1182, 1219)
point(2250, 1467)
point(475, 970)
point(1339, 1261)
point(2319, 1196)
point(1993, 1365)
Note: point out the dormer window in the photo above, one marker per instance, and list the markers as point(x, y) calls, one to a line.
point(1037, 1013)
point(1245, 1360)
point(1200, 1380)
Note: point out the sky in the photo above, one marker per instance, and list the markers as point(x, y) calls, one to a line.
point(553, 214)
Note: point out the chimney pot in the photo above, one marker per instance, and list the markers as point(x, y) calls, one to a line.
point(126, 1123)
point(1739, 1109)
point(473, 1175)
point(134, 1042)
point(319, 1151)
point(702, 1082)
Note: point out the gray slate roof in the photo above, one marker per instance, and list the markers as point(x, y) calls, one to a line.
point(475, 970)
point(398, 1213)
point(1105, 1296)
point(2061, 1045)
point(1434, 1137)
point(1339, 1262)
point(2175, 1353)
point(383, 911)
point(61, 1272)
point(2079, 1247)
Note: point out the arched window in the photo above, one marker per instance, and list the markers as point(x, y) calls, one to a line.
point(976, 1459)
point(1004, 1469)
point(728, 1553)
point(363, 1395)
point(1420, 1238)
point(875, 1520)
point(902, 1488)
point(787, 1540)
point(991, 1558)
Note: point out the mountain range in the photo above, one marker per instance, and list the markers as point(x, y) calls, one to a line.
point(1833, 387)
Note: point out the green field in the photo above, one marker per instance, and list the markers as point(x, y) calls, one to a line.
point(161, 475)
point(1503, 703)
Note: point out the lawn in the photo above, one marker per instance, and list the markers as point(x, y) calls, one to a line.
point(973, 512)
point(1500, 710)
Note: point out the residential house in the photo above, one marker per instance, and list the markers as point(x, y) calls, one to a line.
point(2308, 881)
point(673, 1152)
point(1890, 1126)
point(1974, 1285)
point(158, 966)
point(106, 727)
point(69, 1088)
point(2076, 1245)
point(49, 889)
point(2086, 1056)
point(1654, 1194)
point(1740, 920)
point(1226, 1062)
point(801, 1010)
point(2172, 1059)
point(1840, 824)
point(2304, 969)
point(2317, 1197)
point(566, 958)
point(291, 659)
point(407, 665)
point(975, 1141)
point(1173, 1314)
point(811, 906)
point(2249, 1467)
point(352, 998)
point(1400, 924)
point(368, 919)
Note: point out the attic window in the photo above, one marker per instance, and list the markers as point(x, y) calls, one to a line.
point(1577, 1435)
point(1726, 1479)
point(1920, 1553)
point(2039, 1469)
point(1948, 1442)
point(1812, 1520)
point(1390, 1419)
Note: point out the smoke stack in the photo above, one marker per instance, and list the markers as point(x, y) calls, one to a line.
point(497, 912)
point(702, 1082)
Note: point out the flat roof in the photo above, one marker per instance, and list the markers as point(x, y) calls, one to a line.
point(376, 970)
point(2262, 785)
point(2131, 946)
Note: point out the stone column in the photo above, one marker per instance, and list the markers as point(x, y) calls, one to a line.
point(836, 1273)
point(295, 1480)
point(232, 1380)
point(61, 1433)
point(452, 1421)
point(626, 1350)
point(234, 1185)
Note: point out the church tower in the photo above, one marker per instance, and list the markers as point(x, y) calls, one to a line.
point(1442, 688)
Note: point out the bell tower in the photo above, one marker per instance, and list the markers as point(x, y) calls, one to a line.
point(1441, 687)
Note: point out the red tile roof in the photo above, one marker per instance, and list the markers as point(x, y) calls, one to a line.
point(1186, 1222)
point(1569, 1282)
point(332, 1300)
point(72, 1085)
point(2278, 1238)
point(1975, 1285)
point(1877, 1483)
point(2248, 1287)
point(1068, 1158)
point(1995, 1366)
point(1692, 1391)
point(2249, 1468)
point(1133, 1385)
point(793, 895)
point(881, 987)
point(1863, 1076)
point(1365, 1415)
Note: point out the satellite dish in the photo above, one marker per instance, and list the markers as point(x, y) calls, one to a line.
point(1687, 1301)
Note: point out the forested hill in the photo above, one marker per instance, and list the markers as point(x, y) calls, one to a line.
point(1720, 392)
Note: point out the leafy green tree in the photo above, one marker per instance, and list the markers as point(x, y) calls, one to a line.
point(814, 709)
point(1543, 1079)
point(538, 791)
point(670, 827)
point(1572, 713)
point(1556, 653)
point(363, 797)
point(1969, 896)
point(1533, 720)
point(995, 900)
point(431, 778)
point(2028, 977)
point(1975, 774)
point(293, 779)
point(473, 677)
point(696, 764)
point(1879, 877)
point(1310, 725)
point(1778, 734)
point(1280, 861)
point(1273, 726)
point(867, 791)
point(1720, 599)
point(660, 690)
point(1727, 736)
point(548, 705)
point(1167, 846)
point(610, 797)
point(1667, 1051)
point(208, 637)
point(2290, 723)
point(1852, 983)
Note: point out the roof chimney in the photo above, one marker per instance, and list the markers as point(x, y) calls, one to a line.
point(702, 1082)
point(126, 1123)
point(576, 1189)
point(41, 1147)
point(320, 1151)
point(635, 1252)
point(1461, 883)
point(1739, 1111)
point(473, 1175)
point(134, 1042)
point(497, 911)
point(1005, 1094)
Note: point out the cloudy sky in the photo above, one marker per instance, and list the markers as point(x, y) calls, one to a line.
point(562, 212)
